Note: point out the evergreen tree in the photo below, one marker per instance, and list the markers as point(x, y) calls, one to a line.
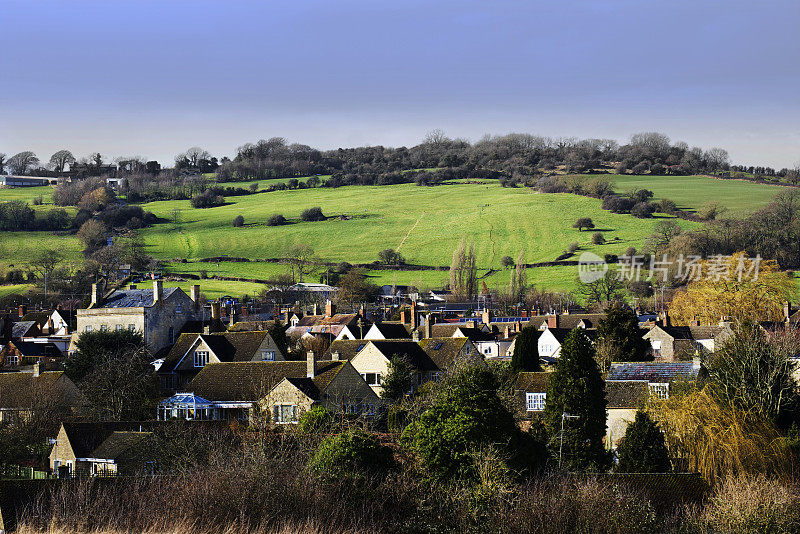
point(621, 336)
point(643, 449)
point(526, 351)
point(576, 388)
point(397, 382)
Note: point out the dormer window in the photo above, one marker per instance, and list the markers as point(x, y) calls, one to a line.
point(200, 358)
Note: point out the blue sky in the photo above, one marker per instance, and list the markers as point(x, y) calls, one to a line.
point(153, 78)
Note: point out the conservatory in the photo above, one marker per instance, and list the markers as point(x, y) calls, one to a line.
point(187, 406)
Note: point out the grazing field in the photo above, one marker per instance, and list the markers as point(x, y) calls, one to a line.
point(691, 192)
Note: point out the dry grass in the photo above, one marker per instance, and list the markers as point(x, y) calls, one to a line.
point(305, 527)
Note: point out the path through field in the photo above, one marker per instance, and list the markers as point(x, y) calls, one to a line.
point(410, 230)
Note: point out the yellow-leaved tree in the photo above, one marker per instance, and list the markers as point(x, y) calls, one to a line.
point(736, 286)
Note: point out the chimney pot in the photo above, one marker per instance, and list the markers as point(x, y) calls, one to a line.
point(311, 364)
point(335, 355)
point(194, 293)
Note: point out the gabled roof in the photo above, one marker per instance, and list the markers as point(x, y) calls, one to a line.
point(443, 350)
point(21, 328)
point(561, 333)
point(407, 348)
point(23, 390)
point(85, 438)
point(653, 371)
point(626, 393)
point(347, 348)
point(118, 443)
point(40, 318)
point(248, 381)
point(30, 349)
point(315, 387)
point(134, 298)
point(694, 333)
point(532, 382)
point(392, 330)
point(227, 346)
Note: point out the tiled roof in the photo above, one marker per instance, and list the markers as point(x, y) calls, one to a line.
point(21, 328)
point(532, 382)
point(23, 390)
point(569, 321)
point(248, 381)
point(443, 350)
point(347, 348)
point(693, 332)
point(29, 349)
point(315, 387)
point(653, 371)
point(561, 333)
point(85, 438)
point(228, 346)
point(409, 349)
point(118, 443)
point(626, 393)
point(133, 298)
point(39, 318)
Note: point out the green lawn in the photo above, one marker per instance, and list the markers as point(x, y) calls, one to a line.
point(741, 197)
point(14, 288)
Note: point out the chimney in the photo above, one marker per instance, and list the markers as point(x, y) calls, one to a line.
point(314, 309)
point(96, 295)
point(215, 311)
point(486, 316)
point(311, 364)
point(286, 317)
point(232, 316)
point(552, 321)
point(415, 335)
point(426, 330)
point(469, 324)
point(194, 293)
point(158, 291)
point(414, 322)
point(335, 355)
point(695, 321)
point(505, 332)
point(404, 316)
point(518, 326)
point(330, 309)
point(22, 310)
point(666, 321)
point(207, 330)
point(50, 325)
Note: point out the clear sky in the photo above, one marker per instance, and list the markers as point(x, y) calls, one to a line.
point(153, 78)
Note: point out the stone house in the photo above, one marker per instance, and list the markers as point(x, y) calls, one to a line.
point(623, 399)
point(659, 376)
point(158, 313)
point(673, 343)
point(22, 355)
point(530, 391)
point(192, 352)
point(388, 330)
point(24, 393)
point(551, 339)
point(96, 449)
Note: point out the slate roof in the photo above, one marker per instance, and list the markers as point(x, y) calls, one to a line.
point(315, 387)
point(626, 393)
point(391, 330)
point(251, 326)
point(85, 438)
point(118, 443)
point(532, 382)
point(248, 381)
point(471, 332)
point(228, 346)
point(29, 349)
point(569, 321)
point(21, 328)
point(23, 390)
point(134, 298)
point(40, 318)
point(443, 350)
point(653, 371)
point(693, 332)
point(410, 349)
point(347, 348)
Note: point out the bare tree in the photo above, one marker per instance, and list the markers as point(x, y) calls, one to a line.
point(436, 138)
point(193, 156)
point(44, 264)
point(463, 271)
point(2, 162)
point(60, 160)
point(301, 257)
point(20, 163)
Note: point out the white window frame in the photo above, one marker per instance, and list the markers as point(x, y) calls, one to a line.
point(118, 327)
point(659, 390)
point(377, 378)
point(200, 358)
point(534, 402)
point(13, 358)
point(132, 327)
point(267, 355)
point(104, 328)
point(293, 418)
point(88, 328)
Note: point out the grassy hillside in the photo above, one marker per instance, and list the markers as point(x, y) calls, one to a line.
point(425, 223)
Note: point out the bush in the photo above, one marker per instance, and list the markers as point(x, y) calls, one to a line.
point(642, 210)
point(276, 220)
point(573, 247)
point(208, 199)
point(389, 256)
point(317, 419)
point(313, 214)
point(641, 195)
point(238, 221)
point(507, 261)
point(640, 168)
point(598, 239)
point(643, 449)
point(666, 205)
point(351, 453)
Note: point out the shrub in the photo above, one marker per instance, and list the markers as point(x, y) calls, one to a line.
point(317, 419)
point(710, 211)
point(389, 256)
point(640, 168)
point(643, 210)
point(666, 205)
point(313, 214)
point(276, 220)
point(641, 195)
point(207, 199)
point(583, 222)
point(507, 261)
point(38, 201)
point(598, 239)
point(573, 247)
point(238, 221)
point(351, 453)
point(643, 449)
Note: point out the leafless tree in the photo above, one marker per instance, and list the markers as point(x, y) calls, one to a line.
point(463, 271)
point(436, 138)
point(60, 160)
point(45, 263)
point(2, 162)
point(20, 163)
point(193, 156)
point(301, 257)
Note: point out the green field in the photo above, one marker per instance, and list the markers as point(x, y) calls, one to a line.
point(424, 223)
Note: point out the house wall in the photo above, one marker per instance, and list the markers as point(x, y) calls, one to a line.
point(371, 360)
point(617, 421)
point(269, 344)
point(660, 340)
point(285, 393)
point(62, 450)
point(548, 344)
point(347, 387)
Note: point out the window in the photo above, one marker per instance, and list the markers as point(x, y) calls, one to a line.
point(131, 327)
point(267, 355)
point(200, 358)
point(88, 328)
point(373, 379)
point(13, 358)
point(118, 327)
point(285, 413)
point(659, 390)
point(487, 350)
point(534, 402)
point(179, 309)
point(104, 328)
